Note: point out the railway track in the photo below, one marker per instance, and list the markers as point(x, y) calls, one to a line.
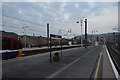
point(41, 51)
point(115, 55)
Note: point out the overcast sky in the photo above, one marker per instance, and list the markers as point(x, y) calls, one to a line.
point(102, 16)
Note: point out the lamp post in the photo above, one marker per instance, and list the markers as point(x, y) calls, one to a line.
point(60, 33)
point(68, 36)
point(81, 27)
point(115, 35)
point(48, 32)
point(24, 29)
point(118, 36)
point(92, 37)
point(95, 33)
point(74, 38)
point(85, 33)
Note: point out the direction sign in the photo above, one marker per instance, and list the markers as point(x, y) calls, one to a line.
point(56, 36)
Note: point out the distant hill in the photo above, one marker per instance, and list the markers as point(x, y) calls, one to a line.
point(105, 35)
point(88, 36)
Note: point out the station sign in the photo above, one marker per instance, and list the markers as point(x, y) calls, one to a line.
point(55, 36)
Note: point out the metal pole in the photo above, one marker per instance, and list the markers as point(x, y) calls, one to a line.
point(85, 33)
point(48, 34)
point(114, 38)
point(92, 37)
point(50, 51)
point(25, 41)
point(61, 47)
point(25, 27)
point(59, 34)
point(81, 33)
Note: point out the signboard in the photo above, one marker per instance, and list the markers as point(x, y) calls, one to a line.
point(101, 38)
point(55, 36)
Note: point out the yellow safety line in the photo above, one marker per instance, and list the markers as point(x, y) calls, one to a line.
point(97, 69)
